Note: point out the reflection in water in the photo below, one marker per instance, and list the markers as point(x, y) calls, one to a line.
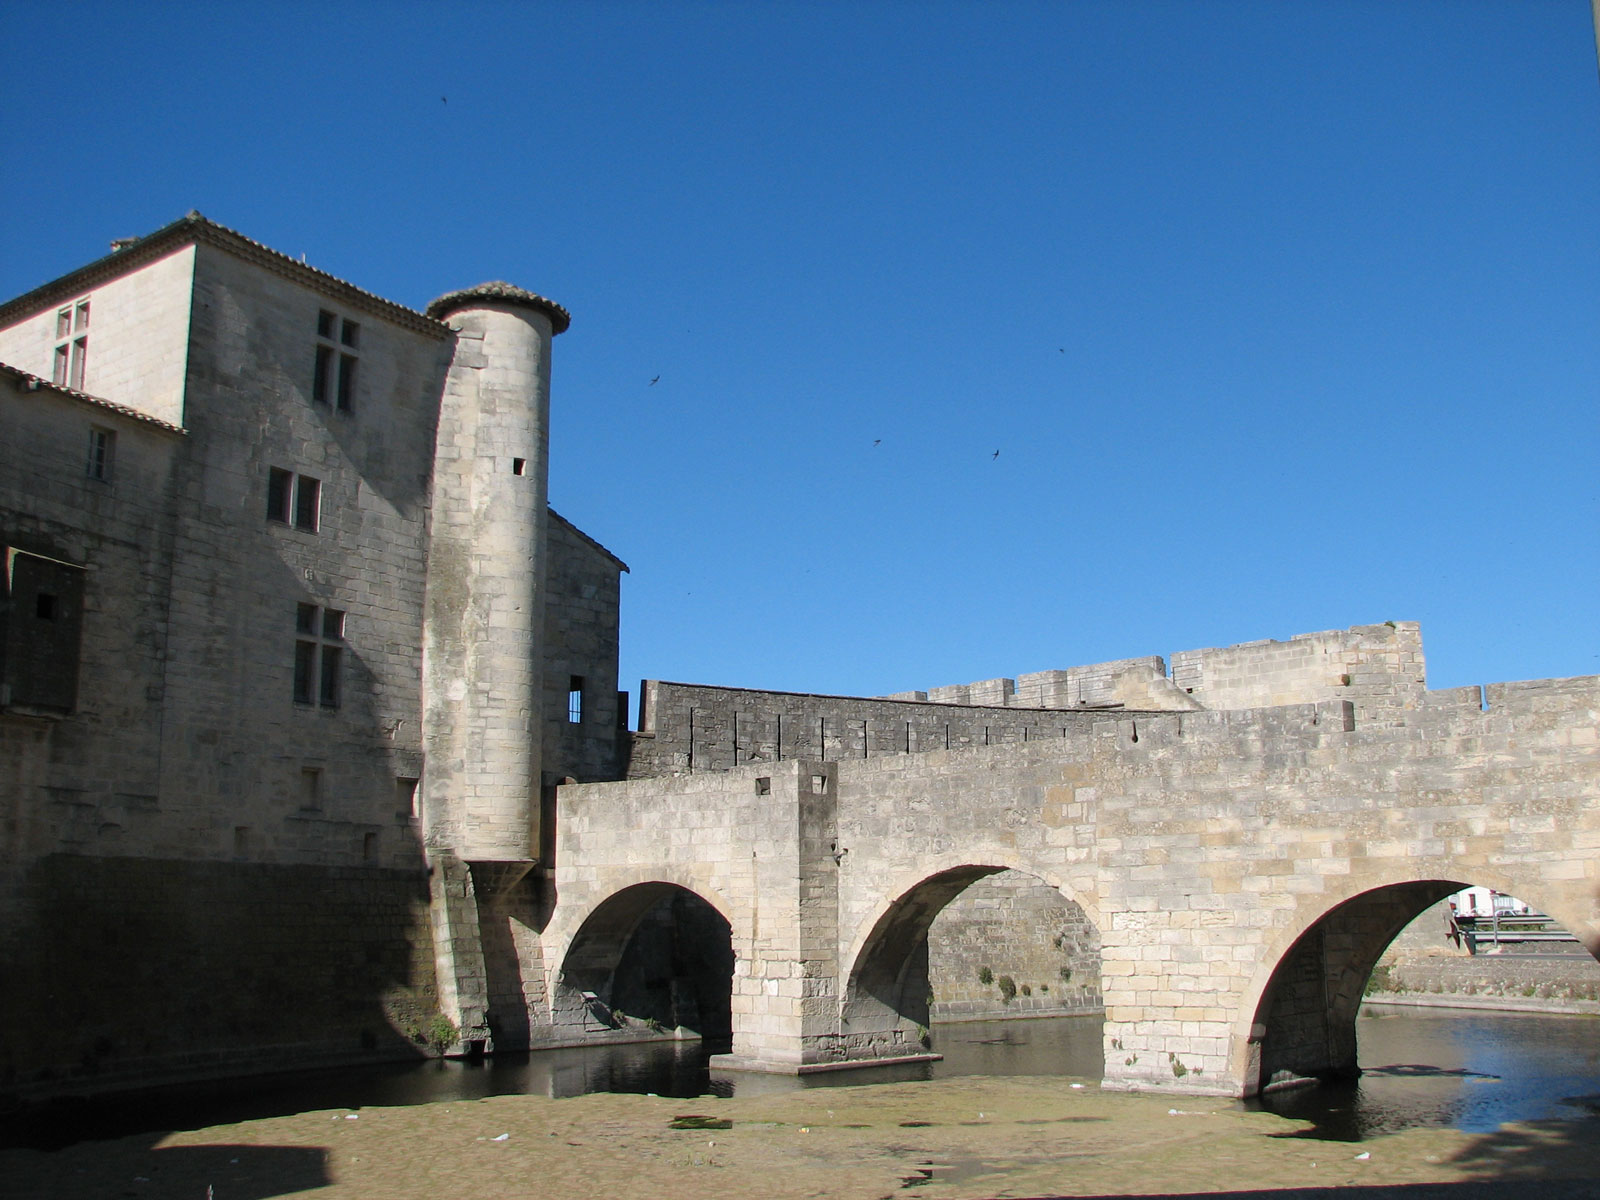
point(1423, 1067)
point(1445, 1068)
point(1059, 1046)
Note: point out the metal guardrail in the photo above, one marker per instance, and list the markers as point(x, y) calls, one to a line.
point(1510, 928)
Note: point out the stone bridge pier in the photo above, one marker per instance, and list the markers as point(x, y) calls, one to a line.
point(1244, 869)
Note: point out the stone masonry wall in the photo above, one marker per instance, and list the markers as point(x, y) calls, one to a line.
point(302, 782)
point(688, 728)
point(1137, 683)
point(1378, 668)
point(1012, 925)
point(583, 602)
point(138, 337)
point(156, 969)
point(87, 781)
point(1202, 845)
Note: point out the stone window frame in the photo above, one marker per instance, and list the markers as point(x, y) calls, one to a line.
point(334, 373)
point(69, 361)
point(102, 455)
point(319, 656)
point(294, 499)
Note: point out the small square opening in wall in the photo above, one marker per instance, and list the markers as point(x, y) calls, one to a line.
point(369, 847)
point(819, 785)
point(575, 700)
point(518, 465)
point(764, 786)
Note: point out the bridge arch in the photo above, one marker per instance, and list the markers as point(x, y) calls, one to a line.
point(1298, 1016)
point(653, 953)
point(885, 1004)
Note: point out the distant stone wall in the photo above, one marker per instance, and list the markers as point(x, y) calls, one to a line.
point(688, 728)
point(1378, 668)
point(1138, 683)
point(1012, 925)
point(143, 970)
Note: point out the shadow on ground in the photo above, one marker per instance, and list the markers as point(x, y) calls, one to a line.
point(136, 1167)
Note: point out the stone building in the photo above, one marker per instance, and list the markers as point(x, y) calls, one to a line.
point(298, 671)
point(270, 542)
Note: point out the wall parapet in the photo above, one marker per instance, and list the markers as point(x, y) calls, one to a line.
point(689, 728)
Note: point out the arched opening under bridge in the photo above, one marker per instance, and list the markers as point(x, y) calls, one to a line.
point(1394, 940)
point(652, 959)
point(975, 942)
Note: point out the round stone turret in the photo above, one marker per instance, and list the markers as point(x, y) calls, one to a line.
point(483, 635)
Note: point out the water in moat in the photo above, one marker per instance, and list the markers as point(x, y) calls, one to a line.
point(1422, 1067)
point(1452, 1068)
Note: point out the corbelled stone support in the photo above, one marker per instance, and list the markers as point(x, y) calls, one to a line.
point(457, 948)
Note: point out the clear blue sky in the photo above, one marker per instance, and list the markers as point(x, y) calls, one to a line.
point(1281, 316)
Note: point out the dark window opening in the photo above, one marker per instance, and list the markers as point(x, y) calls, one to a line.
point(517, 465)
point(307, 494)
point(347, 382)
point(305, 667)
point(323, 374)
point(317, 658)
point(101, 443)
point(279, 486)
point(334, 377)
point(328, 695)
point(44, 607)
point(575, 700)
point(310, 789)
point(300, 495)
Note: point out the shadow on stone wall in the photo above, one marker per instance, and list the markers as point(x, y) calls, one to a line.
point(125, 971)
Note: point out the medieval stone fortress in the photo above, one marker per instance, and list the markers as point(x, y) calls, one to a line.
point(312, 752)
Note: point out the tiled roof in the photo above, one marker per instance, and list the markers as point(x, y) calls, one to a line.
point(195, 228)
point(34, 383)
point(503, 293)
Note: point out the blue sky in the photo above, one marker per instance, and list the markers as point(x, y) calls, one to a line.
point(1281, 316)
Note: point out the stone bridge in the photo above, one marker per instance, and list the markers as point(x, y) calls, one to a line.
point(1245, 870)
